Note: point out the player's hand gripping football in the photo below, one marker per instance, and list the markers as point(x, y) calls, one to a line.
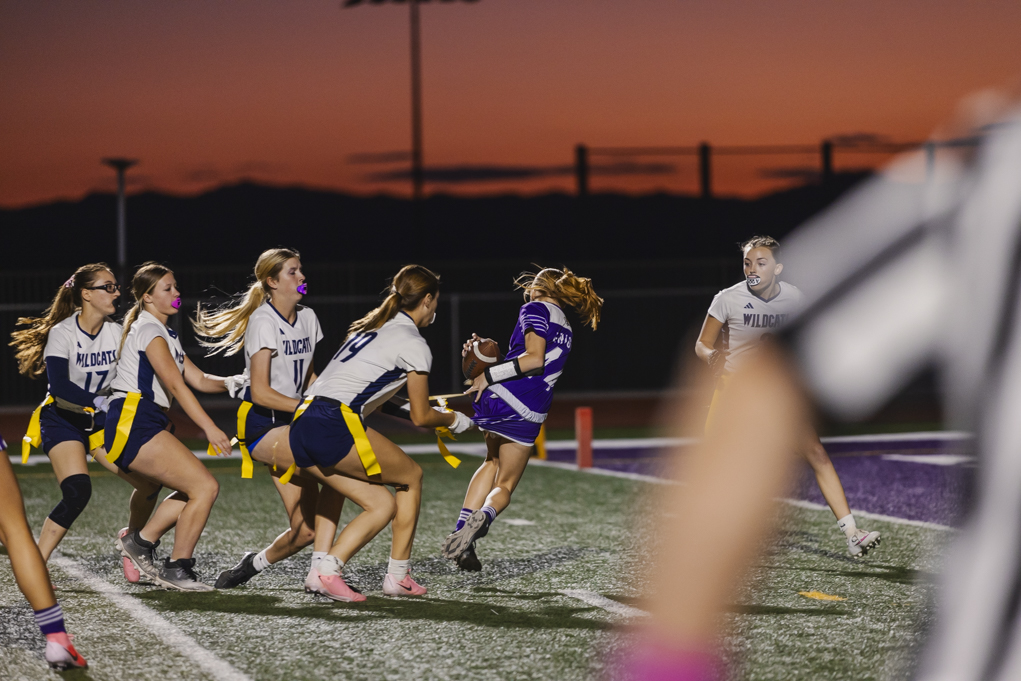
point(467, 347)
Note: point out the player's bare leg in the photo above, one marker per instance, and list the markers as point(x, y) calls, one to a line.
point(30, 571)
point(859, 542)
point(825, 475)
point(511, 459)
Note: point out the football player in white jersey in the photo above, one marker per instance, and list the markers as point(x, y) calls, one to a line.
point(279, 338)
point(75, 344)
point(152, 371)
point(744, 313)
point(383, 351)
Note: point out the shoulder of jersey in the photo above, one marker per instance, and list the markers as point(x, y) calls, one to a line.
point(556, 315)
point(739, 287)
point(793, 290)
point(306, 313)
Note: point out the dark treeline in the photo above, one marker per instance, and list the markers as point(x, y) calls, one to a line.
point(233, 224)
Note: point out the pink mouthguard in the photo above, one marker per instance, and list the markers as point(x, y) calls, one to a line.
point(177, 303)
point(303, 288)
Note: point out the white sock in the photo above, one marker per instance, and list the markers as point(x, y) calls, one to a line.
point(316, 557)
point(398, 568)
point(261, 562)
point(330, 565)
point(847, 526)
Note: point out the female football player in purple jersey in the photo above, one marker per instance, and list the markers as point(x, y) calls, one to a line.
point(513, 398)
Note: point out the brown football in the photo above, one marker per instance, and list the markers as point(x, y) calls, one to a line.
point(484, 353)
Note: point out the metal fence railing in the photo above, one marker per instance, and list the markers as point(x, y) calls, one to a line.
point(634, 349)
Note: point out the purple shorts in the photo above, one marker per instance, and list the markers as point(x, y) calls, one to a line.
point(493, 415)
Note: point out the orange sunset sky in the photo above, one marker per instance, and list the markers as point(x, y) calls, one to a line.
point(207, 92)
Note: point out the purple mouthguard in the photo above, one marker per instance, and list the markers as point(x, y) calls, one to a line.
point(303, 288)
point(177, 303)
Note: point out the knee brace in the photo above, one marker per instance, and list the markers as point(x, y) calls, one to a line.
point(77, 490)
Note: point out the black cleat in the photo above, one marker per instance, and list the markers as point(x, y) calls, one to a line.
point(468, 561)
point(239, 574)
point(456, 543)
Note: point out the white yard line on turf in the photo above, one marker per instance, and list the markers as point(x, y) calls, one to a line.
point(601, 601)
point(151, 620)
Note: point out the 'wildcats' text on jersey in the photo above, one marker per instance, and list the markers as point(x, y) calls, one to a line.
point(531, 396)
point(292, 347)
point(746, 317)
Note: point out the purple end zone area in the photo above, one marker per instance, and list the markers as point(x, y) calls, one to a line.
point(923, 476)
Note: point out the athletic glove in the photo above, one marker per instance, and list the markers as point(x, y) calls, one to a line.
point(234, 384)
point(461, 423)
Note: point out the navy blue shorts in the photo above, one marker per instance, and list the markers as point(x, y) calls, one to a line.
point(150, 420)
point(257, 425)
point(320, 436)
point(493, 415)
point(60, 425)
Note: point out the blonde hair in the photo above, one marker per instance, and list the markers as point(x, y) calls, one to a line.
point(762, 242)
point(409, 286)
point(565, 286)
point(30, 343)
point(144, 281)
point(228, 324)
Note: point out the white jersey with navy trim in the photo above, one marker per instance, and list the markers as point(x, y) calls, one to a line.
point(292, 347)
point(747, 318)
point(92, 360)
point(134, 372)
point(370, 367)
point(903, 275)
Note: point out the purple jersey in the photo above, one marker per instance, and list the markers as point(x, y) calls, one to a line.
point(530, 397)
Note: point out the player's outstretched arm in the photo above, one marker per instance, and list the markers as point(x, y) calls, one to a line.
point(158, 353)
point(713, 523)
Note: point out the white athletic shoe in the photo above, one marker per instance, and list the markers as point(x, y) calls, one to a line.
point(862, 542)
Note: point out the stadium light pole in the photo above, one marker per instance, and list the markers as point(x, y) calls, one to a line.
point(121, 165)
point(417, 169)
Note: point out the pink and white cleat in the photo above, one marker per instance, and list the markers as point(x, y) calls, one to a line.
point(131, 573)
point(334, 586)
point(61, 655)
point(405, 587)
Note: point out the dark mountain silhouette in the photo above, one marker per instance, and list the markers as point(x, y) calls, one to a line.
point(232, 224)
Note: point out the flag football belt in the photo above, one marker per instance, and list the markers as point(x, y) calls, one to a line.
point(247, 465)
point(34, 436)
point(124, 423)
point(354, 426)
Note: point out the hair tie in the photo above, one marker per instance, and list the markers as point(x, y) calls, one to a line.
point(69, 283)
point(394, 291)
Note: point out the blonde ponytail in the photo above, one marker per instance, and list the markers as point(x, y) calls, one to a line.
point(565, 286)
point(30, 343)
point(228, 325)
point(144, 281)
point(409, 286)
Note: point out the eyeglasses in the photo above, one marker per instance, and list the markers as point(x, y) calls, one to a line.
point(109, 288)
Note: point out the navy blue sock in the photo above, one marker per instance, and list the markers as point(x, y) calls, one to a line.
point(50, 620)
